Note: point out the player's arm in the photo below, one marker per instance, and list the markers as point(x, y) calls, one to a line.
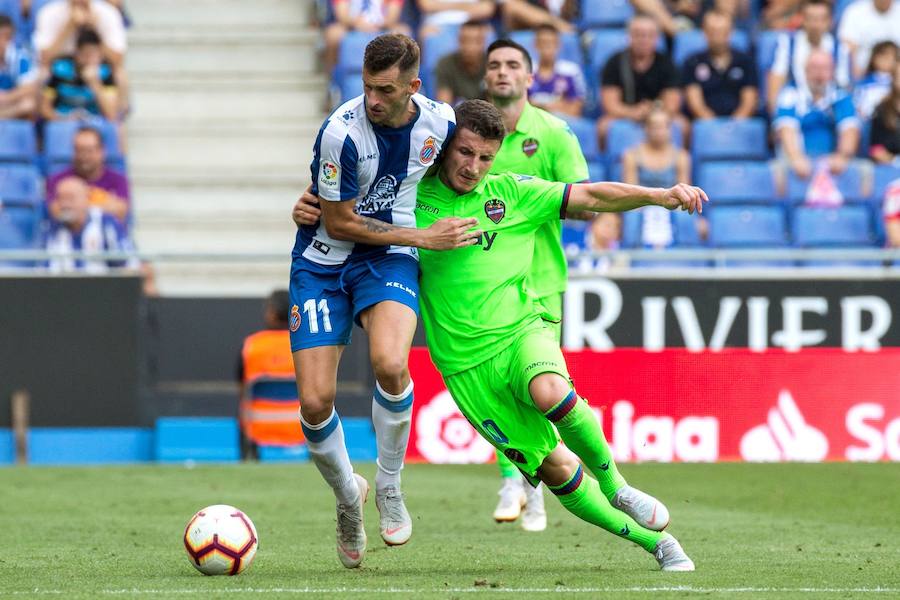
point(607, 196)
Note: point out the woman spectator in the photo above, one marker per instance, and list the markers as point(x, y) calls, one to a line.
point(876, 84)
point(885, 137)
point(656, 162)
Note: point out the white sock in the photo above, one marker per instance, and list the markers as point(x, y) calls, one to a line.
point(326, 446)
point(391, 417)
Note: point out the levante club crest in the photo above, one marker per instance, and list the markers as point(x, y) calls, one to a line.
point(529, 147)
point(495, 210)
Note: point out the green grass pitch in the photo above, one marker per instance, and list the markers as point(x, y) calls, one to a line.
point(755, 531)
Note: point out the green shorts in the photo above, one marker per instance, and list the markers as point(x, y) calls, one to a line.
point(494, 397)
point(552, 303)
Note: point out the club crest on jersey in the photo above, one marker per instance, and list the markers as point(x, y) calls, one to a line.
point(428, 152)
point(295, 318)
point(329, 175)
point(529, 147)
point(495, 210)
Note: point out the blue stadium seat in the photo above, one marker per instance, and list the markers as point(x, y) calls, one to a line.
point(747, 226)
point(570, 47)
point(58, 140)
point(686, 232)
point(766, 43)
point(729, 139)
point(604, 13)
point(737, 182)
point(623, 134)
point(631, 229)
point(693, 41)
point(351, 51)
point(586, 132)
point(20, 185)
point(19, 227)
point(597, 171)
point(573, 233)
point(841, 227)
point(884, 175)
point(351, 86)
point(434, 48)
point(17, 141)
point(851, 184)
point(602, 45)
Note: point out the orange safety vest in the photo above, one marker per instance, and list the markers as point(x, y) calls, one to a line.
point(268, 365)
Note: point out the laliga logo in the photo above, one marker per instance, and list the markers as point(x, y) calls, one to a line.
point(786, 436)
point(443, 435)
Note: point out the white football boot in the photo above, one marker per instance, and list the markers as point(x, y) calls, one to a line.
point(512, 499)
point(396, 524)
point(643, 508)
point(671, 556)
point(534, 517)
point(351, 535)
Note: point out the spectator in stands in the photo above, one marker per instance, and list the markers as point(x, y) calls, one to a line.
point(884, 145)
point(864, 24)
point(636, 78)
point(817, 123)
point(673, 16)
point(437, 14)
point(58, 26)
point(558, 84)
point(18, 76)
point(108, 189)
point(657, 162)
point(789, 66)
point(720, 81)
point(81, 85)
point(266, 355)
point(370, 16)
point(604, 234)
point(876, 84)
point(529, 14)
point(892, 215)
point(781, 14)
point(460, 76)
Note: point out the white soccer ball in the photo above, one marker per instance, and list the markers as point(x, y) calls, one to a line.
point(220, 540)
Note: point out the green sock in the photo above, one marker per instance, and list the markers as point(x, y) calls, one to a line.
point(581, 496)
point(582, 433)
point(507, 468)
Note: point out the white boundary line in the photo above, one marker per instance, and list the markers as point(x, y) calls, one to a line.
point(472, 590)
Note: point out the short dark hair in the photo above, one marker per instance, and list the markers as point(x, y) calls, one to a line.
point(546, 28)
point(391, 49)
point(92, 130)
point(507, 43)
point(482, 118)
point(877, 49)
point(472, 24)
point(279, 303)
point(825, 3)
point(87, 37)
point(5, 21)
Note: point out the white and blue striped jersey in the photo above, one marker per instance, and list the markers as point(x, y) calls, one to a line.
point(378, 167)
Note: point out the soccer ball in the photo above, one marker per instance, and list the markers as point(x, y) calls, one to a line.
point(220, 540)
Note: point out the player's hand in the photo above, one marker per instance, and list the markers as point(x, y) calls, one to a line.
point(450, 233)
point(684, 196)
point(306, 210)
point(802, 167)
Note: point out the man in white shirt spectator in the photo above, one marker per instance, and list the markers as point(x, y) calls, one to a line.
point(58, 23)
point(864, 24)
point(793, 49)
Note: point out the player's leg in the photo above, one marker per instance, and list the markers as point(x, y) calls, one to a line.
point(580, 494)
point(385, 296)
point(320, 322)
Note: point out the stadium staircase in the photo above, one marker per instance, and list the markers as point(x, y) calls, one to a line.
point(226, 104)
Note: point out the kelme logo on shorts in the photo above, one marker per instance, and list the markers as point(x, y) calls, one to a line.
point(495, 210)
point(515, 456)
point(295, 318)
point(530, 146)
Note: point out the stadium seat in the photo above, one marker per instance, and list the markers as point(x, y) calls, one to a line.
point(766, 43)
point(597, 171)
point(693, 41)
point(17, 142)
point(434, 48)
point(58, 136)
point(884, 175)
point(729, 139)
point(603, 44)
point(631, 229)
point(747, 226)
point(18, 231)
point(851, 183)
point(351, 86)
point(604, 13)
point(737, 182)
point(623, 134)
point(686, 232)
point(570, 47)
point(841, 227)
point(586, 132)
point(573, 233)
point(351, 51)
point(20, 185)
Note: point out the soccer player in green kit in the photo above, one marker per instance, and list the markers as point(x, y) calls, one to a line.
point(488, 335)
point(541, 145)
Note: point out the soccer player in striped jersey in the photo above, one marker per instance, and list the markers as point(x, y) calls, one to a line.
point(359, 264)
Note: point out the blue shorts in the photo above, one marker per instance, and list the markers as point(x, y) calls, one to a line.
point(324, 305)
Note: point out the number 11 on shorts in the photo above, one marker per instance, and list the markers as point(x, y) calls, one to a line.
point(312, 315)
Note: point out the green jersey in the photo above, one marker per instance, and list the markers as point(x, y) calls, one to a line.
point(544, 146)
point(474, 300)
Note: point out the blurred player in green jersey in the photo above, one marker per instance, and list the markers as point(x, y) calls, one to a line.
point(489, 338)
point(541, 145)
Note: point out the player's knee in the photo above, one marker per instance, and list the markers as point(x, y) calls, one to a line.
point(315, 408)
point(558, 467)
point(547, 389)
point(390, 371)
